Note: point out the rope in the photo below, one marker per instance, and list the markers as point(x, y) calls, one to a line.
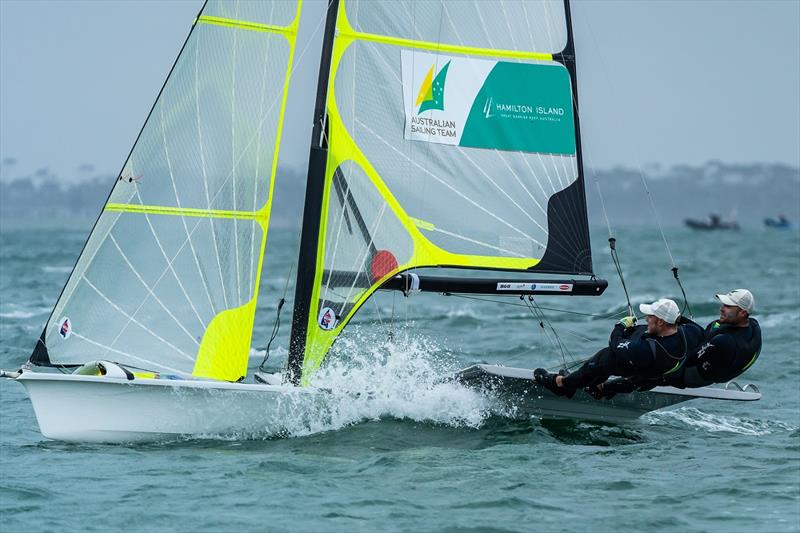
point(277, 324)
point(686, 306)
point(674, 268)
point(602, 200)
point(655, 213)
point(540, 316)
point(646, 188)
point(391, 323)
point(612, 244)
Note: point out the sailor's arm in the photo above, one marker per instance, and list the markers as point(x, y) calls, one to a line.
point(617, 333)
point(621, 331)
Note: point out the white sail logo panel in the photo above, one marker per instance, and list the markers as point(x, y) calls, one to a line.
point(169, 276)
point(487, 104)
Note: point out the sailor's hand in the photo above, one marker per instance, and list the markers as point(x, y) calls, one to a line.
point(628, 321)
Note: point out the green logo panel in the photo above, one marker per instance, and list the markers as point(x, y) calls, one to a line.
point(523, 107)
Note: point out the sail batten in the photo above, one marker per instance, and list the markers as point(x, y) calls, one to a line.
point(187, 212)
point(445, 48)
point(245, 25)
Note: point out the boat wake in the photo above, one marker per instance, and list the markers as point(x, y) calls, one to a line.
point(700, 421)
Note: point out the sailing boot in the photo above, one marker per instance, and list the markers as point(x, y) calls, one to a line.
point(548, 381)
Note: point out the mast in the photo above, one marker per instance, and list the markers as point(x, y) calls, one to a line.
point(315, 188)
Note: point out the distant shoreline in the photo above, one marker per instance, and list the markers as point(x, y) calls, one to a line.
point(747, 193)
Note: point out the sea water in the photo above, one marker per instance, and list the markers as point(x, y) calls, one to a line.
point(402, 451)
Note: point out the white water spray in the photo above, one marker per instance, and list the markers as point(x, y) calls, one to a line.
point(371, 377)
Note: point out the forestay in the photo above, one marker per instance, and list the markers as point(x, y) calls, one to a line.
point(453, 140)
point(169, 276)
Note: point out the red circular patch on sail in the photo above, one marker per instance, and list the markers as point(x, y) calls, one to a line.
point(383, 262)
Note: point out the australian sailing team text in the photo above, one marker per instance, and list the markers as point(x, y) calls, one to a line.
point(429, 126)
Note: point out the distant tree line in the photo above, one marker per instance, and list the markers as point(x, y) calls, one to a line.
point(748, 192)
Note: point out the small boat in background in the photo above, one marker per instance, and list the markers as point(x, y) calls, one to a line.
point(778, 223)
point(714, 222)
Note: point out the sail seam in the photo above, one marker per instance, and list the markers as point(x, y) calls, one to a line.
point(246, 25)
point(187, 212)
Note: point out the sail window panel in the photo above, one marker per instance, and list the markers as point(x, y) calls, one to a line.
point(519, 25)
point(151, 287)
point(210, 141)
point(364, 240)
point(275, 12)
point(478, 201)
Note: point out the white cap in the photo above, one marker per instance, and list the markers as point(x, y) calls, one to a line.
point(739, 297)
point(665, 309)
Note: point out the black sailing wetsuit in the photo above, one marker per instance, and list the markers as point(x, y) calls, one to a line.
point(724, 353)
point(635, 353)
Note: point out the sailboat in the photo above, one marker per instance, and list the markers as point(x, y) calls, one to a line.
point(445, 135)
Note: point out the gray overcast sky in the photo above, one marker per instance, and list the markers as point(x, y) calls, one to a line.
point(660, 82)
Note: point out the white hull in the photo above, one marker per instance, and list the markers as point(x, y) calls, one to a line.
point(80, 408)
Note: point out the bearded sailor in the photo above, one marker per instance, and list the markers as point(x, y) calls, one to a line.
point(731, 344)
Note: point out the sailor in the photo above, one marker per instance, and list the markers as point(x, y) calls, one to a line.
point(731, 344)
point(632, 352)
